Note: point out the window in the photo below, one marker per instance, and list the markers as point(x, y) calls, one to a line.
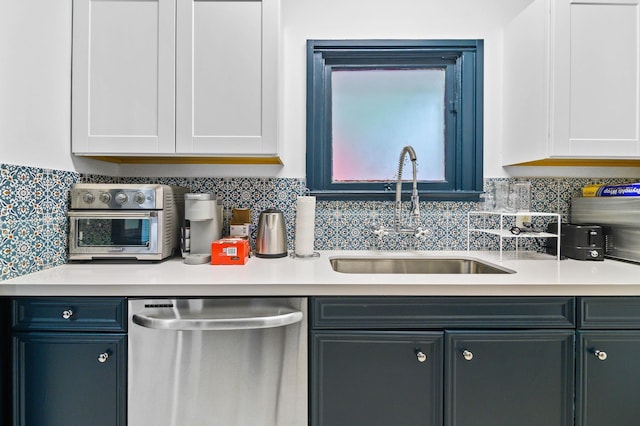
point(366, 99)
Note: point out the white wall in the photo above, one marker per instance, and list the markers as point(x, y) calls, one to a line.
point(35, 82)
point(35, 76)
point(35, 85)
point(398, 19)
point(376, 19)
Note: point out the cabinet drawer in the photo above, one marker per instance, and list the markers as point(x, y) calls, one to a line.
point(69, 314)
point(442, 312)
point(609, 312)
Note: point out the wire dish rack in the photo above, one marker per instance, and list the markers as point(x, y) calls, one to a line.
point(506, 226)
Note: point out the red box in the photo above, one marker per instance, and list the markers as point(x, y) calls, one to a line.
point(230, 251)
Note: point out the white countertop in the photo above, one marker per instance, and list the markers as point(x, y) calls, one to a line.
point(536, 275)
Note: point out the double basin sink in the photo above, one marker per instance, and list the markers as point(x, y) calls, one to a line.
point(415, 265)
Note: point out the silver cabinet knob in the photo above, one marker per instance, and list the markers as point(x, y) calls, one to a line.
point(468, 355)
point(103, 357)
point(601, 355)
point(67, 314)
point(421, 356)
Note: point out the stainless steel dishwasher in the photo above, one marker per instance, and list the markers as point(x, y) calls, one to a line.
point(217, 362)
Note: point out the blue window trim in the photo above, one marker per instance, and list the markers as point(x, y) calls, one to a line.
point(463, 61)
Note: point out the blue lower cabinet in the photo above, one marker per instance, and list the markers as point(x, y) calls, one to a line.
point(5, 364)
point(608, 378)
point(69, 379)
point(376, 378)
point(508, 378)
point(488, 361)
point(69, 360)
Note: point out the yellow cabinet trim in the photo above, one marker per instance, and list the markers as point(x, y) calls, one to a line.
point(581, 162)
point(187, 160)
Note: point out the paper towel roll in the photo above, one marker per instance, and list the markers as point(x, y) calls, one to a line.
point(305, 222)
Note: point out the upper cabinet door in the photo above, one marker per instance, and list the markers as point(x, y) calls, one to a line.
point(596, 97)
point(571, 83)
point(226, 77)
point(123, 76)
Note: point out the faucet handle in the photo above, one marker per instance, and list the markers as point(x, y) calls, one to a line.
point(380, 231)
point(422, 233)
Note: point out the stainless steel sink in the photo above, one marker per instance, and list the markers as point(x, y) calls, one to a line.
point(414, 265)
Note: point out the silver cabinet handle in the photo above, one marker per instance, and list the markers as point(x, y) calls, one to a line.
point(103, 357)
point(280, 318)
point(468, 355)
point(601, 355)
point(421, 356)
point(67, 314)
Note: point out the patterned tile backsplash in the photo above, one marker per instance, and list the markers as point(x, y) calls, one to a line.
point(33, 222)
point(34, 203)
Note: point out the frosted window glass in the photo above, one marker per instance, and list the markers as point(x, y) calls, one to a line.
point(377, 112)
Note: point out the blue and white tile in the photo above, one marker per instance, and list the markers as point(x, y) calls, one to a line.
point(339, 224)
point(544, 195)
point(21, 248)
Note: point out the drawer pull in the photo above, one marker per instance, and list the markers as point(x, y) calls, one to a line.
point(601, 355)
point(468, 355)
point(103, 357)
point(421, 356)
point(67, 314)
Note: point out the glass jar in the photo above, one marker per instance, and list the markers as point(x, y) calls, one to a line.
point(521, 196)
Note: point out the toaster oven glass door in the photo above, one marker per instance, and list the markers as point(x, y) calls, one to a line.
point(126, 232)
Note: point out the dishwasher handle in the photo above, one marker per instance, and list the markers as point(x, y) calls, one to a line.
point(204, 324)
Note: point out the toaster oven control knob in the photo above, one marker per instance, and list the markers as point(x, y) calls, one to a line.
point(139, 197)
point(88, 197)
point(121, 198)
point(593, 253)
point(105, 197)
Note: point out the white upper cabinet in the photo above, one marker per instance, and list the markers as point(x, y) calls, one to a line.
point(175, 78)
point(226, 73)
point(571, 82)
point(123, 78)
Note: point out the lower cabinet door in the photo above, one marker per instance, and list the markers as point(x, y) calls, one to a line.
point(608, 378)
point(63, 379)
point(5, 364)
point(376, 378)
point(507, 378)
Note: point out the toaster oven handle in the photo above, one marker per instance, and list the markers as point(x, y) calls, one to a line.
point(279, 319)
point(112, 214)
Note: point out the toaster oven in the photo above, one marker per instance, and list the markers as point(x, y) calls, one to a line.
point(125, 221)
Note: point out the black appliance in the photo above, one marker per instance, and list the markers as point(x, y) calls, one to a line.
point(580, 242)
point(619, 218)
